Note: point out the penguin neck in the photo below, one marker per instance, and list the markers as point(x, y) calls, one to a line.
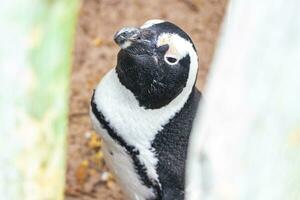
point(149, 102)
point(118, 104)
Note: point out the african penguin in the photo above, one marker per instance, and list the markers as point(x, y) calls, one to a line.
point(144, 110)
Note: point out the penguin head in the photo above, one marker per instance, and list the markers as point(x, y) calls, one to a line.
point(156, 62)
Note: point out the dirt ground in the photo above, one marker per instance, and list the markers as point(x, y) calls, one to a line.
point(95, 53)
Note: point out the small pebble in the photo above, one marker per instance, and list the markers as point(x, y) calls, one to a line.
point(82, 172)
point(111, 185)
point(88, 134)
point(97, 42)
point(107, 176)
point(94, 141)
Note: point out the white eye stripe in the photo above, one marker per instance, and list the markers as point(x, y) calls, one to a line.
point(151, 22)
point(178, 46)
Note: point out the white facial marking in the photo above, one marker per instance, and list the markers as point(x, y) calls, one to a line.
point(151, 22)
point(178, 46)
point(125, 45)
point(135, 124)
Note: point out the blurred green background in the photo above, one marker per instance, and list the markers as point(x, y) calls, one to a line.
point(35, 57)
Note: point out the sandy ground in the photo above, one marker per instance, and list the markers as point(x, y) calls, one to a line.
point(95, 53)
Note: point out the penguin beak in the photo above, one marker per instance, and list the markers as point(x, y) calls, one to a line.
point(126, 36)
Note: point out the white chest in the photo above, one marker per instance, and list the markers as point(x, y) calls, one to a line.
point(120, 163)
point(137, 126)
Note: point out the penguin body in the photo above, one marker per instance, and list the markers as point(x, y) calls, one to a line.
point(144, 110)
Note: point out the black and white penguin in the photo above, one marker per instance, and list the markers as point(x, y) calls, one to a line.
point(144, 110)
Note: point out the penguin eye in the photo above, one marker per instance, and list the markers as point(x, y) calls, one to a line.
point(171, 60)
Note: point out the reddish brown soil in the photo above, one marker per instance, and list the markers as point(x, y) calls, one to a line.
point(95, 53)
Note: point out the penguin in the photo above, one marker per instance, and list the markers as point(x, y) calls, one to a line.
point(144, 110)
